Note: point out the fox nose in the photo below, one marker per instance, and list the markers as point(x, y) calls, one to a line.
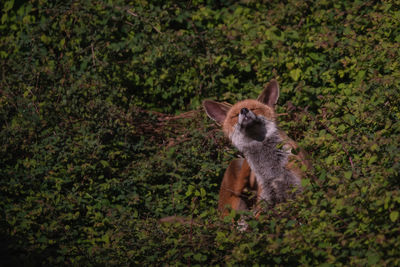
point(244, 111)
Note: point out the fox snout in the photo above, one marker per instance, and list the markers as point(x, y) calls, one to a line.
point(246, 117)
point(244, 111)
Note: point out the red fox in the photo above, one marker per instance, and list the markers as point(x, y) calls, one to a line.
point(269, 167)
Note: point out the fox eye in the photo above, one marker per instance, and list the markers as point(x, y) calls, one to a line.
point(236, 115)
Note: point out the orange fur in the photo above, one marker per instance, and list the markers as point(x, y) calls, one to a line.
point(254, 105)
point(238, 178)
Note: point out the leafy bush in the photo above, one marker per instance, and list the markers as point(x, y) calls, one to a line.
point(102, 133)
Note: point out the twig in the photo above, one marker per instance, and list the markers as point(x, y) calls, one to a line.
point(33, 102)
point(93, 55)
point(130, 12)
point(185, 115)
point(233, 192)
point(282, 114)
point(180, 220)
point(190, 238)
point(37, 81)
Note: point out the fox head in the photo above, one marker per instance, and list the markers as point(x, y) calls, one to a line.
point(247, 121)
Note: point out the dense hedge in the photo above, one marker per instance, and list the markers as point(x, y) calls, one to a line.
point(90, 160)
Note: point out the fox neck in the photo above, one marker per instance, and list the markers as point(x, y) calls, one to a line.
point(268, 162)
point(265, 158)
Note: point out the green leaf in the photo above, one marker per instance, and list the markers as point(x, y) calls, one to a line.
point(104, 163)
point(373, 258)
point(305, 182)
point(394, 215)
point(348, 174)
point(295, 74)
point(372, 160)
point(329, 159)
point(202, 192)
point(199, 257)
point(8, 5)
point(45, 39)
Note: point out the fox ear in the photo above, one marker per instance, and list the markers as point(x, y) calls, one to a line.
point(270, 94)
point(216, 111)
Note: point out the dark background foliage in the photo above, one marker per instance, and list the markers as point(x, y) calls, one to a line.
point(102, 133)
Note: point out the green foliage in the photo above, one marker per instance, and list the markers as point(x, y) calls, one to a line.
point(90, 162)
